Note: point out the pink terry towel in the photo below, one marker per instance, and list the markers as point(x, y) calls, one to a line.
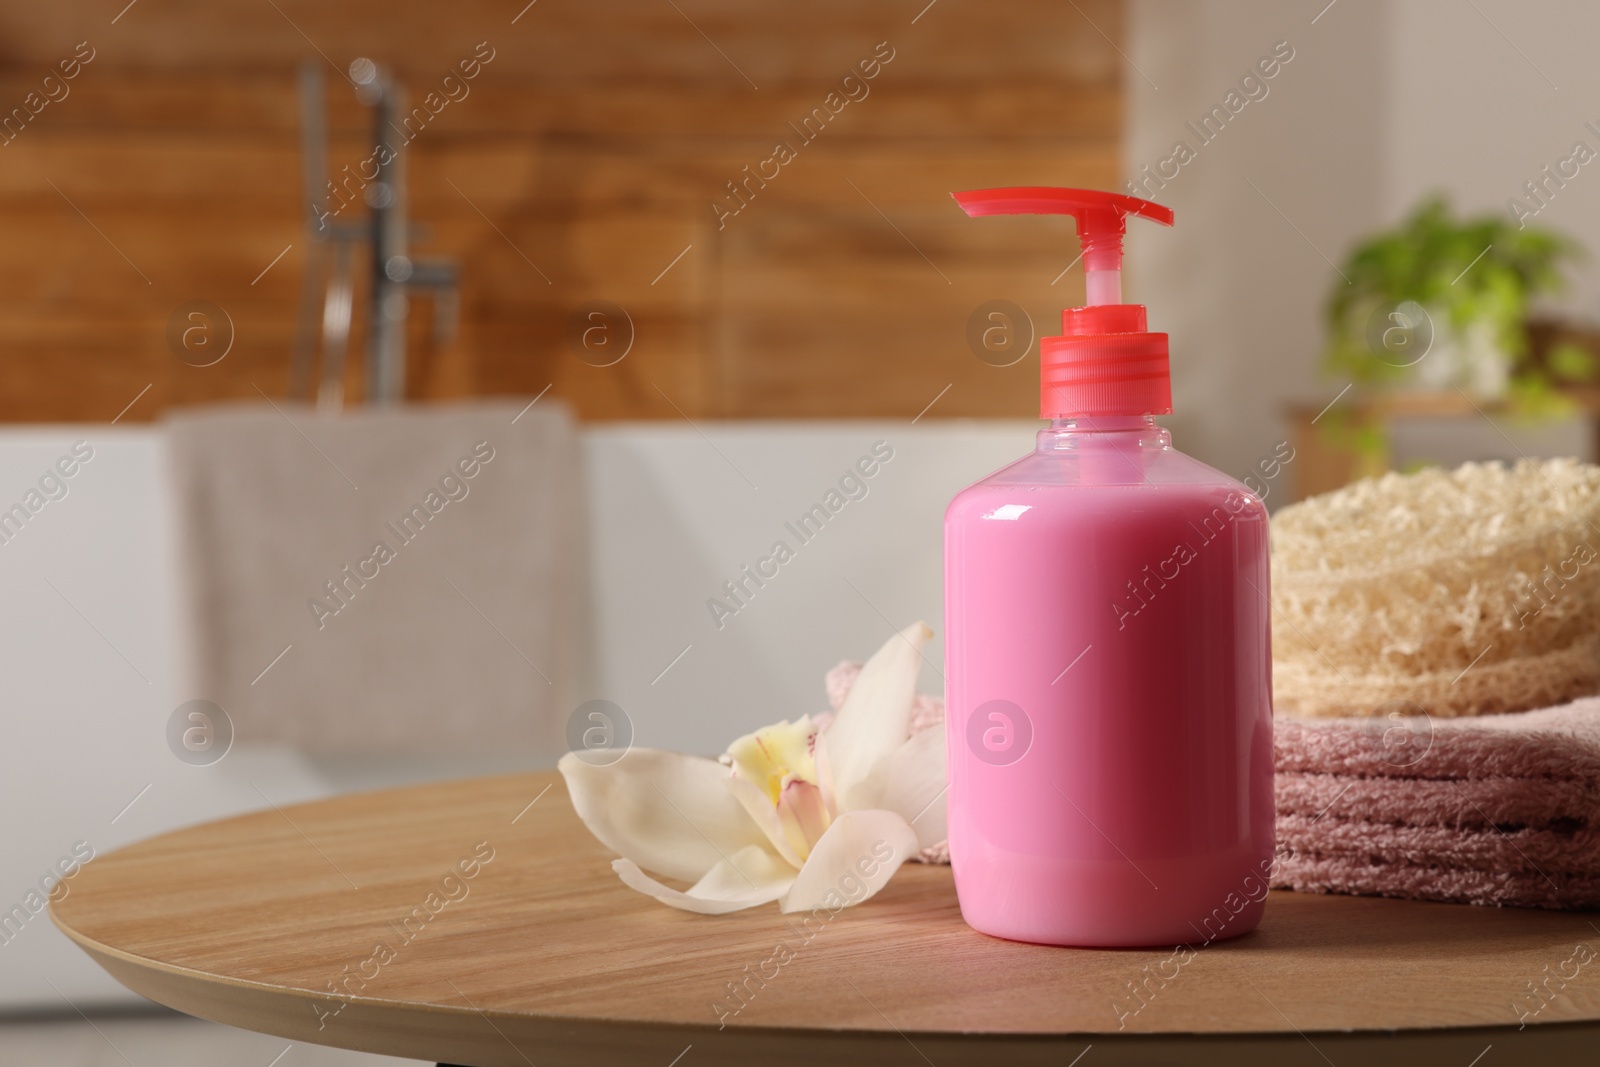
point(1497, 809)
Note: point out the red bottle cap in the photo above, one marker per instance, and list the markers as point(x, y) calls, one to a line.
point(1105, 362)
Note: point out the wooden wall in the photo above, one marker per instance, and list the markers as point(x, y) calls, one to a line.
point(587, 155)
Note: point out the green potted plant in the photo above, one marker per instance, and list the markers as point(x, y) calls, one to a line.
point(1441, 303)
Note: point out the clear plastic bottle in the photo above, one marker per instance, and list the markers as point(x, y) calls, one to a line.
point(1108, 662)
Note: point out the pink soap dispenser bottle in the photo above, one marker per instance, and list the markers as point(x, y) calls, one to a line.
point(1107, 658)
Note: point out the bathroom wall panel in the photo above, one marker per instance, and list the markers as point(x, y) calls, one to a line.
point(587, 156)
point(595, 43)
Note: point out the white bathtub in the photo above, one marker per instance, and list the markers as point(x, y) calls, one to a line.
point(90, 657)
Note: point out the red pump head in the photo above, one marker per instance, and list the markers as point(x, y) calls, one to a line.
point(1105, 362)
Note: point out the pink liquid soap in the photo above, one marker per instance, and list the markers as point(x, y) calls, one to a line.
point(1108, 666)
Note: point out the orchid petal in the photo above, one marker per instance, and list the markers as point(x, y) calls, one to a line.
point(665, 811)
point(751, 876)
point(802, 814)
point(855, 858)
point(766, 756)
point(873, 722)
point(913, 784)
point(763, 815)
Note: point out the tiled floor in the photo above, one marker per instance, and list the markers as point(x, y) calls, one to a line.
point(162, 1041)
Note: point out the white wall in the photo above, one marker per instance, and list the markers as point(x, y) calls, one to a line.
point(1382, 104)
point(1482, 101)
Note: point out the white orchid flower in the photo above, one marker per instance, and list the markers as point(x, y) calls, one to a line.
point(789, 813)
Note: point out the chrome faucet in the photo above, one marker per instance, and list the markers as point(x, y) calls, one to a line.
point(380, 183)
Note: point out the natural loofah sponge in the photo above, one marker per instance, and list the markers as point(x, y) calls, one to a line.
point(1460, 592)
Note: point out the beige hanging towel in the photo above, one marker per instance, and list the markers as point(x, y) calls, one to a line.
point(384, 580)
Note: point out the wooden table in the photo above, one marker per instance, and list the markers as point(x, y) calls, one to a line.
point(271, 922)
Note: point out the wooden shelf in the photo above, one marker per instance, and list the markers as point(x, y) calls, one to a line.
point(1320, 466)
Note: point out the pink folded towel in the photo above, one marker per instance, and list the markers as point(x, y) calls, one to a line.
point(1561, 742)
point(1458, 885)
point(1497, 809)
point(1556, 853)
point(1460, 803)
